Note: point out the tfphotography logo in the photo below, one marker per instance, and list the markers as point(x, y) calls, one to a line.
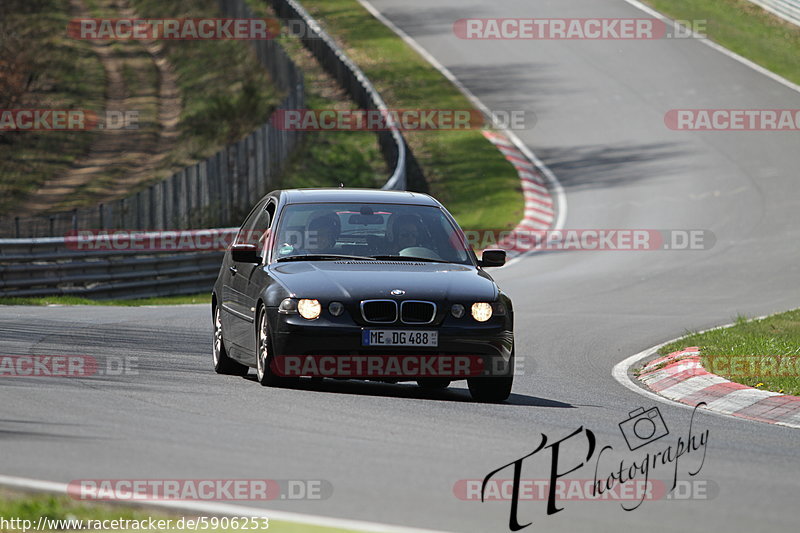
point(628, 478)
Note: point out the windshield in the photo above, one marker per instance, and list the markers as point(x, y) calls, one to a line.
point(369, 231)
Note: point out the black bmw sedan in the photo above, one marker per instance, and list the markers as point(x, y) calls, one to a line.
point(361, 284)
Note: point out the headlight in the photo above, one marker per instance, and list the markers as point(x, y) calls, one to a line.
point(457, 310)
point(309, 309)
point(481, 311)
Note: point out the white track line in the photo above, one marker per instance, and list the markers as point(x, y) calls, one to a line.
point(217, 508)
point(719, 48)
point(555, 185)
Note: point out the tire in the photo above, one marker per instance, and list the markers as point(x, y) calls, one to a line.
point(492, 389)
point(433, 383)
point(263, 351)
point(219, 355)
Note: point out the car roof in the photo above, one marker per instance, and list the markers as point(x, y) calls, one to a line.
point(334, 195)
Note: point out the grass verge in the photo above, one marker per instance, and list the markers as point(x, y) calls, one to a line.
point(225, 93)
point(777, 335)
point(744, 28)
point(41, 68)
point(466, 172)
point(75, 300)
point(16, 505)
point(326, 159)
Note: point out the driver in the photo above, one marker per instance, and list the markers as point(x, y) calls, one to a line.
point(321, 234)
point(408, 230)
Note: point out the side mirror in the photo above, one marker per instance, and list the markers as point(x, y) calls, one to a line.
point(245, 253)
point(492, 258)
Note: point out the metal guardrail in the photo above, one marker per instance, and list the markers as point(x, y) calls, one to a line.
point(59, 265)
point(353, 80)
point(786, 9)
point(215, 192)
point(103, 267)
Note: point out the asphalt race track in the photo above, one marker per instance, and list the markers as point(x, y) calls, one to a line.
point(394, 453)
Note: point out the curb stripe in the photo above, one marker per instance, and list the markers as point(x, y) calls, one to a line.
point(684, 379)
point(539, 213)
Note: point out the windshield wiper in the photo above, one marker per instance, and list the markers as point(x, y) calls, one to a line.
point(324, 257)
point(408, 258)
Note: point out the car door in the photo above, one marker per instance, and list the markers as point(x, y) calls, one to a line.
point(233, 303)
point(255, 232)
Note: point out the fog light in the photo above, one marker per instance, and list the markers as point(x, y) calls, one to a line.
point(481, 311)
point(309, 309)
point(457, 310)
point(336, 308)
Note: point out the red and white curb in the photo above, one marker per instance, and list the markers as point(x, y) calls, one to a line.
point(540, 208)
point(680, 376)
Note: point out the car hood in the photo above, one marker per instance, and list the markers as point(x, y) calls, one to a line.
point(361, 280)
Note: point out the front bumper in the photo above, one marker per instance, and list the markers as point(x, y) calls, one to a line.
point(486, 348)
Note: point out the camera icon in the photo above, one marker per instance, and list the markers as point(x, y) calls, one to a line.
point(643, 427)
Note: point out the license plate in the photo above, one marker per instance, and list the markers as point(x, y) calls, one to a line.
point(399, 337)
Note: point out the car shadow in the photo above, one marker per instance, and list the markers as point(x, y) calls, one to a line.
point(455, 393)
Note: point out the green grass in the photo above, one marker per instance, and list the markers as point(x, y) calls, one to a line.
point(466, 172)
point(225, 93)
point(32, 506)
point(64, 74)
point(772, 336)
point(75, 300)
point(326, 159)
point(745, 29)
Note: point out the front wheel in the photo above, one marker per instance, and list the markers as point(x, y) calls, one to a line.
point(492, 389)
point(222, 363)
point(263, 349)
